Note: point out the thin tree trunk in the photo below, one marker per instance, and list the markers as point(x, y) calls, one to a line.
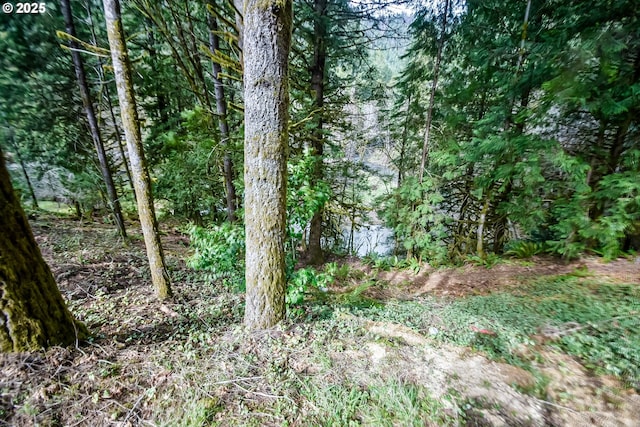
point(33, 314)
point(267, 40)
point(525, 26)
point(114, 201)
point(314, 249)
point(188, 43)
point(116, 131)
point(159, 94)
point(221, 109)
point(238, 7)
point(432, 95)
point(480, 231)
point(403, 146)
point(131, 125)
point(23, 166)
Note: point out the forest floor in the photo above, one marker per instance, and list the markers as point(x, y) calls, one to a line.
point(524, 343)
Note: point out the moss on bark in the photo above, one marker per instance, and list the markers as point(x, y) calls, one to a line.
point(267, 38)
point(131, 126)
point(33, 314)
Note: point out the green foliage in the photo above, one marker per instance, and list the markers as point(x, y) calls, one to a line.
point(417, 221)
point(543, 141)
point(303, 281)
point(305, 196)
point(620, 193)
point(488, 261)
point(187, 175)
point(392, 262)
point(308, 281)
point(523, 249)
point(219, 250)
point(385, 404)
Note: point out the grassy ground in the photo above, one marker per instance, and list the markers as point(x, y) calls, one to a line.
point(553, 349)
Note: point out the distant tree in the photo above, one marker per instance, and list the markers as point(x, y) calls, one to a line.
point(34, 314)
point(131, 125)
point(40, 102)
point(182, 33)
point(267, 40)
point(221, 110)
point(23, 166)
point(87, 103)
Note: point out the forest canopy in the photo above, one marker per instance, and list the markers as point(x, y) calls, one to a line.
point(462, 129)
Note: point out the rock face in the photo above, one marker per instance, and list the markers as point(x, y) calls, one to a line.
point(46, 180)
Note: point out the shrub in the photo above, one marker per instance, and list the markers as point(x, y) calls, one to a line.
point(220, 251)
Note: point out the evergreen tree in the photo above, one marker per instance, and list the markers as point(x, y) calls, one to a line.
point(105, 169)
point(131, 125)
point(267, 40)
point(34, 314)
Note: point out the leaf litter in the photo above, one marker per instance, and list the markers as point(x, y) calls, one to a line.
point(190, 362)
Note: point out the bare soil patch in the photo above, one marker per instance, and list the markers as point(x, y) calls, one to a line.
point(479, 280)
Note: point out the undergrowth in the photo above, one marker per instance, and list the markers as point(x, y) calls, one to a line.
point(597, 322)
point(189, 362)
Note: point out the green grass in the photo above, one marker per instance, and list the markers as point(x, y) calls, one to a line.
point(392, 403)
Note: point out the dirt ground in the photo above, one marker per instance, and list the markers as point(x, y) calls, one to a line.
point(138, 357)
point(479, 280)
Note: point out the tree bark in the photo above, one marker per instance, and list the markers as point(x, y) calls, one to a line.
point(100, 70)
point(131, 127)
point(267, 40)
point(314, 249)
point(117, 137)
point(221, 109)
point(112, 194)
point(33, 314)
point(480, 230)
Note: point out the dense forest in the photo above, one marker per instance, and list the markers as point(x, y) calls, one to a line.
point(300, 146)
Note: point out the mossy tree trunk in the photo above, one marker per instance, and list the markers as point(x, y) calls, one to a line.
point(112, 194)
point(33, 314)
point(267, 40)
point(139, 171)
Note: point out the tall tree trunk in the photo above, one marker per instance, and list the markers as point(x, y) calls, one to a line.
point(112, 194)
point(107, 95)
point(480, 230)
point(23, 166)
point(33, 314)
point(314, 250)
point(131, 126)
point(161, 102)
point(432, 95)
point(523, 38)
point(403, 143)
point(116, 131)
point(221, 109)
point(267, 40)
